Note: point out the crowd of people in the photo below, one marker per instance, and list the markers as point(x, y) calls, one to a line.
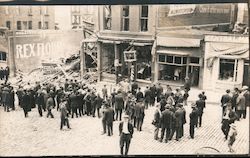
point(76, 99)
point(4, 73)
point(234, 107)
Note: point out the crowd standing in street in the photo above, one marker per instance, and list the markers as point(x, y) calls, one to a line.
point(76, 99)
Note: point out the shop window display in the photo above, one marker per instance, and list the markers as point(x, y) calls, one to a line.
point(144, 64)
point(228, 70)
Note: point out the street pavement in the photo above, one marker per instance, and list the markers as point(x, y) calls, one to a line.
point(39, 136)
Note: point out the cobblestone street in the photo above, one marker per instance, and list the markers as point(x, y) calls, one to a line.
point(35, 136)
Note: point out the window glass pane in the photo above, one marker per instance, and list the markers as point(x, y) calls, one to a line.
point(125, 11)
point(8, 24)
point(226, 69)
point(19, 25)
point(126, 25)
point(162, 58)
point(144, 24)
point(144, 11)
point(107, 17)
point(194, 60)
point(170, 59)
point(184, 60)
point(177, 60)
point(39, 25)
point(30, 25)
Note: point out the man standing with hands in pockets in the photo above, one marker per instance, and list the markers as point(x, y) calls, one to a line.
point(126, 133)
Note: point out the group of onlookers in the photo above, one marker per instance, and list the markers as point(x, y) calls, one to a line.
point(234, 107)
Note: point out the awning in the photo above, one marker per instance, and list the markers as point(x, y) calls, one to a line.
point(88, 40)
point(177, 42)
point(193, 52)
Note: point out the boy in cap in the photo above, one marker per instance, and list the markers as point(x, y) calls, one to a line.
point(232, 137)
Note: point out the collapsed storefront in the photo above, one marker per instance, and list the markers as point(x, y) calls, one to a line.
point(226, 61)
point(113, 65)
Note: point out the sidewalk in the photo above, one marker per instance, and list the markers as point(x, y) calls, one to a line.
point(213, 97)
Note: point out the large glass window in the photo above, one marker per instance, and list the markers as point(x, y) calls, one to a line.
point(228, 70)
point(125, 18)
point(107, 17)
point(144, 18)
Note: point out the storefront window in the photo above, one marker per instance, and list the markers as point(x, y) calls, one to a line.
point(228, 70)
point(143, 63)
point(108, 58)
point(170, 59)
point(162, 58)
point(177, 60)
point(194, 60)
point(184, 60)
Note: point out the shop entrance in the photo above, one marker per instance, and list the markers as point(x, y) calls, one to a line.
point(193, 74)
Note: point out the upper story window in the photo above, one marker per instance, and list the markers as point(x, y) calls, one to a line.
point(25, 25)
point(125, 18)
point(144, 18)
point(39, 25)
point(107, 17)
point(46, 25)
point(8, 24)
point(76, 19)
point(30, 25)
point(2, 56)
point(18, 25)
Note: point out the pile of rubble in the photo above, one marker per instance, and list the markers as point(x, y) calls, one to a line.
point(55, 72)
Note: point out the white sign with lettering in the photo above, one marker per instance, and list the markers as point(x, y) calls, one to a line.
point(37, 49)
point(227, 38)
point(181, 9)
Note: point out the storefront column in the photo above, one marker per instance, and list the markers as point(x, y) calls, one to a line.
point(99, 70)
point(11, 55)
point(187, 67)
point(116, 59)
point(155, 69)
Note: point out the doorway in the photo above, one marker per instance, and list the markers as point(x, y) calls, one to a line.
point(193, 74)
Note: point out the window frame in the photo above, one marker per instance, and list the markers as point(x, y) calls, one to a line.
point(173, 60)
point(142, 18)
point(235, 69)
point(107, 18)
point(2, 54)
point(19, 23)
point(9, 24)
point(125, 18)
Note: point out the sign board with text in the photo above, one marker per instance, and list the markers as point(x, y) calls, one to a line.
point(31, 49)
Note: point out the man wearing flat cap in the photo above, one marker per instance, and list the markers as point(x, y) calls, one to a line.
point(126, 133)
point(246, 94)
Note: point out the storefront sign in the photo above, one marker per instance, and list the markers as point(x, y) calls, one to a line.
point(129, 56)
point(181, 9)
point(227, 39)
point(30, 50)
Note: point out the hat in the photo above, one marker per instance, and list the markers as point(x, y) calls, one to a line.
point(167, 106)
point(125, 116)
point(193, 105)
point(233, 125)
point(244, 88)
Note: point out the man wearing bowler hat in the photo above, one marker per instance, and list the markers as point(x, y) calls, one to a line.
point(126, 133)
point(193, 120)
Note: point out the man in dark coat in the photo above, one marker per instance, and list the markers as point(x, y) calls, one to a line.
point(153, 94)
point(163, 103)
point(234, 98)
point(166, 123)
point(6, 98)
point(74, 103)
point(113, 94)
point(50, 105)
point(139, 114)
point(126, 131)
point(1, 73)
point(20, 94)
point(134, 87)
point(40, 102)
point(109, 119)
point(157, 121)
point(193, 120)
point(26, 103)
point(98, 101)
point(147, 97)
point(183, 113)
point(225, 99)
point(159, 91)
point(87, 99)
point(178, 122)
point(119, 105)
point(7, 73)
point(93, 103)
point(200, 104)
point(240, 105)
point(139, 94)
point(64, 112)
